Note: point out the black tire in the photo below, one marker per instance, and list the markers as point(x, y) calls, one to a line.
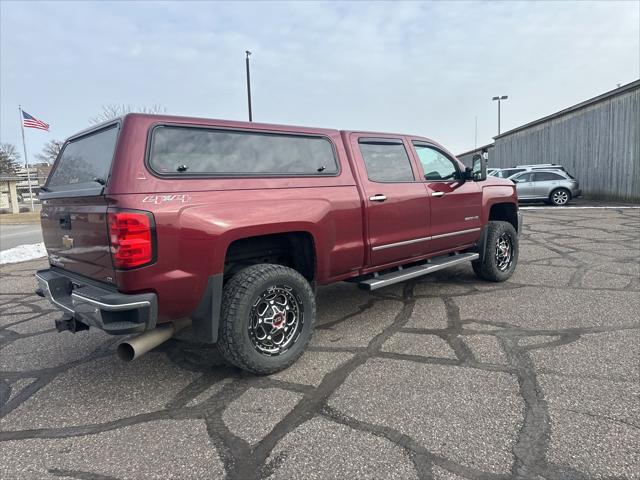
point(560, 197)
point(492, 267)
point(250, 289)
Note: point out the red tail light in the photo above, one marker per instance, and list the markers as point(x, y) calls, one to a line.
point(132, 238)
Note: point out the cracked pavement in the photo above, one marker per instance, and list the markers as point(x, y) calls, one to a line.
point(446, 377)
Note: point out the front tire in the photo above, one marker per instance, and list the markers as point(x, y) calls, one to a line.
point(267, 319)
point(560, 197)
point(500, 255)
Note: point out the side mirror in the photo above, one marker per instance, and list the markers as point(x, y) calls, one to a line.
point(468, 173)
point(479, 169)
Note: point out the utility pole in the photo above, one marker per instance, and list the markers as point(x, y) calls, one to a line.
point(248, 85)
point(499, 99)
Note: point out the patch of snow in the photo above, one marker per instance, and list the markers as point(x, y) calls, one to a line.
point(22, 253)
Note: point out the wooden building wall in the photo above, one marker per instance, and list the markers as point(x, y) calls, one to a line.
point(599, 144)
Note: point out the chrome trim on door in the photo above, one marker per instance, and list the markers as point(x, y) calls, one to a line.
point(400, 244)
point(377, 198)
point(459, 232)
point(437, 194)
point(423, 239)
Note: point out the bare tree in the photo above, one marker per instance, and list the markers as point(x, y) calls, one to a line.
point(112, 111)
point(50, 151)
point(9, 158)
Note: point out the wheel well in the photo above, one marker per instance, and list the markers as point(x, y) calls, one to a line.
point(293, 249)
point(505, 212)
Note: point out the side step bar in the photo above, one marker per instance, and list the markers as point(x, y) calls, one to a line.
point(402, 275)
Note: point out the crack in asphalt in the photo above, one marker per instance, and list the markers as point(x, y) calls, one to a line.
point(79, 474)
point(245, 461)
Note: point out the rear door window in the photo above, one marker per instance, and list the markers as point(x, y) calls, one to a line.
point(85, 162)
point(386, 160)
point(205, 151)
point(546, 176)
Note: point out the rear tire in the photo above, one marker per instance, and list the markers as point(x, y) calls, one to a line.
point(268, 315)
point(560, 197)
point(500, 255)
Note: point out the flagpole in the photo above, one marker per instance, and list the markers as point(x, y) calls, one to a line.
point(26, 160)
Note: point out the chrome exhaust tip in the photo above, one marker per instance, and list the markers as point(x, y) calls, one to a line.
point(138, 346)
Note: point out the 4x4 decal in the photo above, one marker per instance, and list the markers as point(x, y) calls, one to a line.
point(157, 199)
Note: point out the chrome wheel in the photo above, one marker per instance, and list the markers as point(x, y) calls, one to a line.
point(504, 252)
point(560, 197)
point(276, 320)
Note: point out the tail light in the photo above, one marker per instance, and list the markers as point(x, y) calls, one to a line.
point(132, 235)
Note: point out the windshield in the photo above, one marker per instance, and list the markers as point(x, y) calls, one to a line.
point(85, 162)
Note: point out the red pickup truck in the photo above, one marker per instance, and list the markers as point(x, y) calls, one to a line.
point(154, 223)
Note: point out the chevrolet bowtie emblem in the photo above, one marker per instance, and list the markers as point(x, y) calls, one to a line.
point(67, 241)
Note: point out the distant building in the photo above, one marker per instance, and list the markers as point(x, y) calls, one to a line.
point(467, 157)
point(38, 174)
point(598, 141)
point(43, 170)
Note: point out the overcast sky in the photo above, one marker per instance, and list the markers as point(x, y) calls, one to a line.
point(421, 68)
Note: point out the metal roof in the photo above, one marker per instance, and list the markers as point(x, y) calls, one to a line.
point(478, 149)
point(612, 93)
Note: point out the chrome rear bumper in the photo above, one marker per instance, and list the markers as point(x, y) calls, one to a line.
point(109, 310)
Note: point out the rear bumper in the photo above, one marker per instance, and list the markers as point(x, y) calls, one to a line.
point(576, 193)
point(114, 312)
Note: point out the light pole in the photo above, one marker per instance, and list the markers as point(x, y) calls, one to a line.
point(499, 99)
point(248, 85)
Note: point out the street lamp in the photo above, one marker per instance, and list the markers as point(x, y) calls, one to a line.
point(499, 99)
point(248, 85)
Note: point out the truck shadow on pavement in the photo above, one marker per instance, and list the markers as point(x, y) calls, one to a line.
point(446, 377)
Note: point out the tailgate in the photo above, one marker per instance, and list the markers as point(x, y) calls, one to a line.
point(76, 235)
point(74, 208)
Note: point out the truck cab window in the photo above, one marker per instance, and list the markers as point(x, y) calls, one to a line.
point(386, 161)
point(436, 166)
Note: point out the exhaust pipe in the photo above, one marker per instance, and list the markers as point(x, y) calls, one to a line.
point(137, 346)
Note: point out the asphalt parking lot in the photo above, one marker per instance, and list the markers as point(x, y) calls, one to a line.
point(448, 377)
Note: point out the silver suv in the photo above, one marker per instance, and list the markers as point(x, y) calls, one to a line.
point(552, 186)
point(509, 172)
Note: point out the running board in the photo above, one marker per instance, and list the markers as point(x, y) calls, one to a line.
point(402, 275)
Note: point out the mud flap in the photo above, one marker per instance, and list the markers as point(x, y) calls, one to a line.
point(482, 242)
point(206, 317)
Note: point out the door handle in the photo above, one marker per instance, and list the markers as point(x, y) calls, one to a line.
point(437, 194)
point(377, 198)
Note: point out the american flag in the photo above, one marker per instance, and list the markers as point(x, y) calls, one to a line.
point(32, 122)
